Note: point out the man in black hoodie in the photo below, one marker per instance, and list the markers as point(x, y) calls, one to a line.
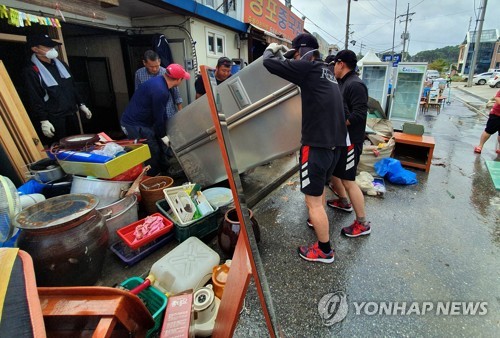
point(355, 95)
point(324, 130)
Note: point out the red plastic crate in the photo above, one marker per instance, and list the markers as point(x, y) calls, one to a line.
point(127, 233)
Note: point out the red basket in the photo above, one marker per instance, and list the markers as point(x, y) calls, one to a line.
point(127, 233)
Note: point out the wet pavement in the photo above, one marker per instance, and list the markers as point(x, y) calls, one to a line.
point(436, 241)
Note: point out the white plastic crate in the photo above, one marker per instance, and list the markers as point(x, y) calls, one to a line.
point(170, 197)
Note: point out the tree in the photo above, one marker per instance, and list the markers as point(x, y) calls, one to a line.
point(440, 65)
point(448, 53)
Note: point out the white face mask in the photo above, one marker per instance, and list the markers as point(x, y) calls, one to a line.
point(52, 54)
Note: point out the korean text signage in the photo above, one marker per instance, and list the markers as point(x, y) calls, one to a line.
point(274, 17)
point(388, 58)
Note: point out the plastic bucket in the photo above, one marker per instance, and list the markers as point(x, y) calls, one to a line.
point(152, 191)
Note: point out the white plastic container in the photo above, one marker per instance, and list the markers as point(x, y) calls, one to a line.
point(171, 195)
point(188, 266)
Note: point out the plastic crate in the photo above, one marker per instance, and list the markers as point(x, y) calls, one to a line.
point(127, 233)
point(200, 228)
point(130, 257)
point(172, 197)
point(154, 299)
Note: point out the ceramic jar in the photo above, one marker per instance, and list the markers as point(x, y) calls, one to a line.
point(229, 231)
point(67, 239)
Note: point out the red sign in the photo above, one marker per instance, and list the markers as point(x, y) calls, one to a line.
point(274, 17)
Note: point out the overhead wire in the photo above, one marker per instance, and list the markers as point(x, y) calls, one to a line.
point(312, 22)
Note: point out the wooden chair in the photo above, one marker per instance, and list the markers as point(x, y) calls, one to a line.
point(434, 103)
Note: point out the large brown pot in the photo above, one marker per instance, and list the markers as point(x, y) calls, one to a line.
point(67, 239)
point(229, 231)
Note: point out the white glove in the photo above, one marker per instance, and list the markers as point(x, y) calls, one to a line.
point(166, 141)
point(47, 128)
point(86, 111)
point(274, 47)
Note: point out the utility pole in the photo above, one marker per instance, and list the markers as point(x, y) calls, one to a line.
point(405, 35)
point(470, 22)
point(347, 24)
point(394, 30)
point(361, 48)
point(476, 45)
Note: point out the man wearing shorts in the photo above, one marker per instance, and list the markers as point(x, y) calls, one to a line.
point(323, 130)
point(355, 95)
point(492, 126)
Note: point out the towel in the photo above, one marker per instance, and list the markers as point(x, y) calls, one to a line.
point(45, 75)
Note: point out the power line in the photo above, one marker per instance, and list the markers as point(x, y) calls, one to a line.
point(305, 17)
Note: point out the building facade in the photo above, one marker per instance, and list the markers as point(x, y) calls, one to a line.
point(487, 55)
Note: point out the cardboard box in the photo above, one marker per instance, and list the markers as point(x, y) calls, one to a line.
point(178, 317)
point(110, 169)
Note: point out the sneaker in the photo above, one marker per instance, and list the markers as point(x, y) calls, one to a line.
point(313, 253)
point(309, 224)
point(357, 229)
point(332, 189)
point(335, 203)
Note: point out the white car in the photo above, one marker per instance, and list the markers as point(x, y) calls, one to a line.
point(480, 79)
point(494, 81)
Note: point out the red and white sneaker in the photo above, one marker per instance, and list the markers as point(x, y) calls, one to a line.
point(313, 253)
point(335, 203)
point(357, 229)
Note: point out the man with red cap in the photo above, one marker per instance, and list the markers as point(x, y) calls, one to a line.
point(145, 115)
point(323, 130)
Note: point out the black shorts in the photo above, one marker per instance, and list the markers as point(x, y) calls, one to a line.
point(316, 167)
point(348, 162)
point(493, 124)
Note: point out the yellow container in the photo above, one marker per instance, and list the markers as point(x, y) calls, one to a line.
point(110, 169)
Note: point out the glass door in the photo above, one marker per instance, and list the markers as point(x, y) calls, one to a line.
point(376, 78)
point(407, 88)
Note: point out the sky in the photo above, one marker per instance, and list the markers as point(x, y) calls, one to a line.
point(435, 24)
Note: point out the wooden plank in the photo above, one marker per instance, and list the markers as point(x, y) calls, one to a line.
point(17, 119)
point(12, 38)
point(234, 292)
point(10, 149)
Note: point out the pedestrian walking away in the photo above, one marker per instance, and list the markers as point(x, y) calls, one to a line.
point(492, 127)
point(355, 95)
point(53, 100)
point(323, 130)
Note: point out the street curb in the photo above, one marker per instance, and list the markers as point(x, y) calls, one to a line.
point(471, 94)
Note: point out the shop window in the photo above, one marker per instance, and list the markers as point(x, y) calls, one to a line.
point(216, 43)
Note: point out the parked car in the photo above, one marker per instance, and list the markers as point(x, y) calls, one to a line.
point(494, 81)
point(480, 79)
point(432, 74)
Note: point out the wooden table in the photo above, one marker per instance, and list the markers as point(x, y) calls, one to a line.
point(414, 150)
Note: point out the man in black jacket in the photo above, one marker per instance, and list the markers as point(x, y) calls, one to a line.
point(355, 95)
point(323, 131)
point(53, 100)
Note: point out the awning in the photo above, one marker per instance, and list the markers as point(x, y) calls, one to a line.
point(270, 37)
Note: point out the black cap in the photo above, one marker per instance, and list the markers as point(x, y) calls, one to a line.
point(330, 58)
point(348, 57)
point(302, 40)
point(224, 61)
point(41, 40)
point(305, 40)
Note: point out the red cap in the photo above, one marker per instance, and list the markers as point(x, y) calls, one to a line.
point(176, 71)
